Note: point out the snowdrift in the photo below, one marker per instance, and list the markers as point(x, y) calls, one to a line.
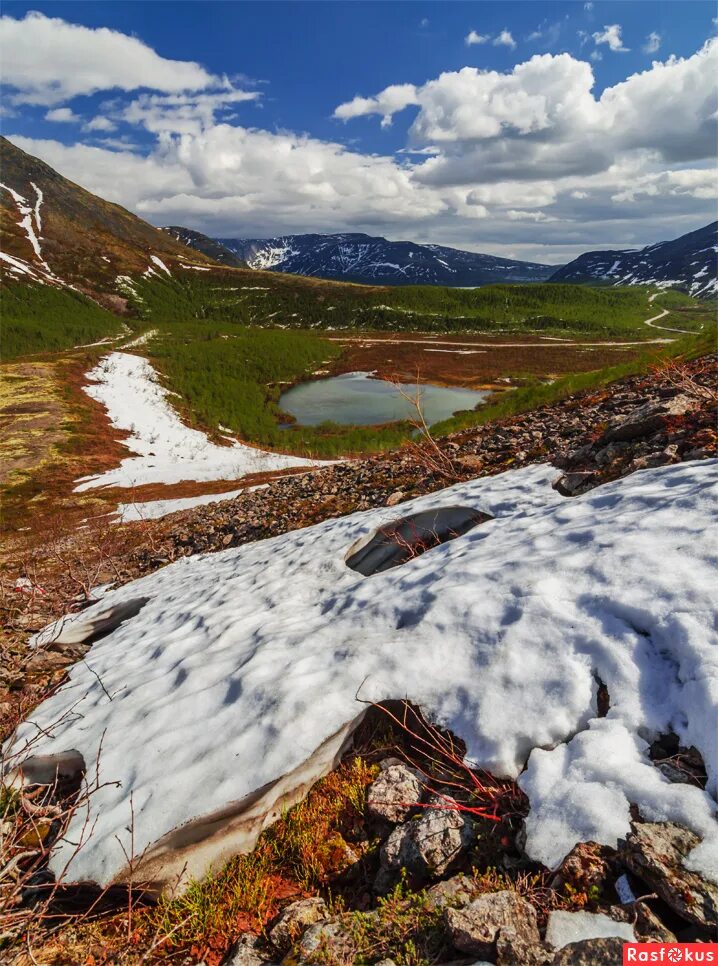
point(234, 685)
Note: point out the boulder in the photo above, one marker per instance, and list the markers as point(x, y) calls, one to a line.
point(498, 926)
point(394, 794)
point(654, 851)
point(427, 845)
point(591, 952)
point(646, 419)
point(295, 918)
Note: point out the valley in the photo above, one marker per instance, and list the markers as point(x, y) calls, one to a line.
point(208, 468)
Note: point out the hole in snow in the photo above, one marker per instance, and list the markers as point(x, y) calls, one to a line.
point(676, 763)
point(603, 699)
point(408, 537)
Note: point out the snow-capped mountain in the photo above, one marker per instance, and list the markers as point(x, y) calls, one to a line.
point(364, 258)
point(688, 263)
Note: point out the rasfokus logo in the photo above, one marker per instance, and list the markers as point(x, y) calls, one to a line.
point(670, 953)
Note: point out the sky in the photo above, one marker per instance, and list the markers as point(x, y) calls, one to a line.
point(532, 130)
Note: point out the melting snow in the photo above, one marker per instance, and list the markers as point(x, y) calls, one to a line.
point(169, 451)
point(160, 264)
point(154, 509)
point(242, 663)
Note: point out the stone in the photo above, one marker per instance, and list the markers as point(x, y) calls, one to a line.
point(470, 462)
point(654, 851)
point(429, 844)
point(571, 484)
point(646, 419)
point(330, 937)
point(583, 869)
point(457, 891)
point(245, 953)
point(295, 918)
point(591, 952)
point(396, 497)
point(498, 926)
point(394, 794)
point(648, 927)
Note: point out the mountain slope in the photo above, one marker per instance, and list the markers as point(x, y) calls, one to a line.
point(203, 243)
point(688, 262)
point(56, 232)
point(364, 258)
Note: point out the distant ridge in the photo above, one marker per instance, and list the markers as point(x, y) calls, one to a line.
point(356, 257)
point(688, 262)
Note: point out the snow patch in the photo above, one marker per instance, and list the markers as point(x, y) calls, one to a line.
point(573, 927)
point(169, 452)
point(243, 663)
point(160, 264)
point(154, 509)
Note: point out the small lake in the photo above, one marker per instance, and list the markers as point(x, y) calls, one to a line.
point(354, 399)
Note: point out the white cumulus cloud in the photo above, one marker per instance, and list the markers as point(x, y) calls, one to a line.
point(504, 39)
point(62, 115)
point(474, 38)
point(46, 60)
point(611, 35)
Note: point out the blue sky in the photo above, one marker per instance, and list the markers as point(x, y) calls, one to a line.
point(256, 128)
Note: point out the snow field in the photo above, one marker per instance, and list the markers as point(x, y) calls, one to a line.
point(168, 451)
point(242, 663)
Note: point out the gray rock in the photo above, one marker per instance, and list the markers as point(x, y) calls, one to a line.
point(245, 953)
point(571, 484)
point(654, 851)
point(649, 928)
point(394, 793)
point(609, 453)
point(499, 926)
point(457, 891)
point(591, 952)
point(294, 920)
point(427, 845)
point(331, 937)
point(646, 419)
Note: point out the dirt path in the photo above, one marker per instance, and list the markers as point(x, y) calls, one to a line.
point(664, 328)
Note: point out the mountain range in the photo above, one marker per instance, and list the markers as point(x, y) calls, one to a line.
point(355, 257)
point(55, 232)
point(688, 262)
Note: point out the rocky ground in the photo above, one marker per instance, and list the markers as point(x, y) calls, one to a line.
point(432, 868)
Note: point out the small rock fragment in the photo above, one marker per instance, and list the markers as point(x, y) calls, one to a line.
point(591, 952)
point(245, 953)
point(394, 794)
point(654, 851)
point(295, 919)
point(427, 845)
